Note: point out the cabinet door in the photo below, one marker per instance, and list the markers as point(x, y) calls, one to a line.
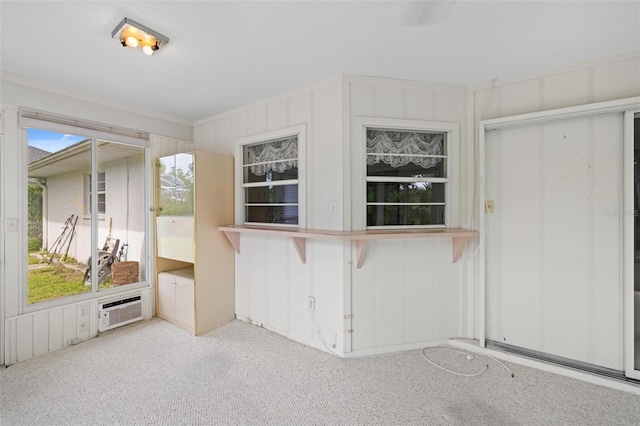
point(166, 296)
point(185, 312)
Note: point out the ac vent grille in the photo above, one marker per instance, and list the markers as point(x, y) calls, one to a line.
point(119, 312)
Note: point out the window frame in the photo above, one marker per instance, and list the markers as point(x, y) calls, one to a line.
point(298, 131)
point(452, 138)
point(87, 194)
point(95, 293)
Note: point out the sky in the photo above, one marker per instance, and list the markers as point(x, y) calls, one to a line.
point(51, 141)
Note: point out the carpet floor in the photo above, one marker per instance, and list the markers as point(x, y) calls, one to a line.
point(153, 372)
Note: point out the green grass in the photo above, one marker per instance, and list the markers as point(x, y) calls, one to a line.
point(55, 281)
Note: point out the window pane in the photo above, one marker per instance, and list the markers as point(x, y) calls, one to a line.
point(271, 161)
point(410, 192)
point(176, 185)
point(59, 233)
point(102, 203)
point(121, 232)
point(271, 176)
point(272, 194)
point(406, 153)
point(272, 214)
point(405, 215)
point(408, 170)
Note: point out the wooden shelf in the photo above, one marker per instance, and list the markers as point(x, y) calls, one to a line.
point(459, 237)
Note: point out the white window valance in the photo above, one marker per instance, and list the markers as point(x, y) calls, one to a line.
point(399, 148)
point(276, 156)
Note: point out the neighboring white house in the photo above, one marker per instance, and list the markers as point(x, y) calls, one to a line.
point(66, 197)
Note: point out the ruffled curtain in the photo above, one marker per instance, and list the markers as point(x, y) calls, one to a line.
point(278, 155)
point(398, 149)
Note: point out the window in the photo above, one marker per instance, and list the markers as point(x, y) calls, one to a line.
point(102, 199)
point(407, 172)
point(66, 241)
point(270, 181)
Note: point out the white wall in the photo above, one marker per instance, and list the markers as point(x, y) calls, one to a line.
point(552, 183)
point(272, 285)
point(15, 316)
point(407, 292)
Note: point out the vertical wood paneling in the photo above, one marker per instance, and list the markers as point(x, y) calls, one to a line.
point(56, 330)
point(563, 90)
point(419, 104)
point(242, 277)
point(239, 129)
point(362, 100)
point(277, 115)
point(40, 333)
point(363, 302)
point(567, 234)
point(222, 137)
point(605, 298)
point(617, 80)
point(24, 337)
point(449, 106)
point(420, 312)
point(277, 283)
point(300, 109)
point(256, 255)
point(69, 323)
point(257, 120)
point(323, 161)
point(388, 287)
point(556, 288)
point(519, 222)
point(326, 266)
point(299, 279)
point(204, 136)
point(520, 98)
point(446, 280)
point(389, 102)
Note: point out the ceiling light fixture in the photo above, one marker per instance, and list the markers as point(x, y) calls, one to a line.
point(135, 35)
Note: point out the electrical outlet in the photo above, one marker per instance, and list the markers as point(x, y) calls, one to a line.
point(83, 311)
point(333, 208)
point(312, 303)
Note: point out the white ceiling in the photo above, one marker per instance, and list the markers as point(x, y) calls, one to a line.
point(224, 55)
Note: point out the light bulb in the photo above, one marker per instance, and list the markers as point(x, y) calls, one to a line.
point(148, 50)
point(131, 41)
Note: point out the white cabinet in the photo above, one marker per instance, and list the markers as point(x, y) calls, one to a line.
point(194, 195)
point(176, 299)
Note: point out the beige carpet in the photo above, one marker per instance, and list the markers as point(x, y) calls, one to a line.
point(155, 373)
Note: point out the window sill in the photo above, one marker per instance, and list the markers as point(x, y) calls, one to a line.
point(460, 237)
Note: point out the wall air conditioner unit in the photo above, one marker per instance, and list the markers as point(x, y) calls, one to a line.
point(116, 312)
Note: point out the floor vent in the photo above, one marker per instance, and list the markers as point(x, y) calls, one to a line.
point(117, 312)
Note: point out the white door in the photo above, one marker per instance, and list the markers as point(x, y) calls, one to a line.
point(553, 246)
point(632, 243)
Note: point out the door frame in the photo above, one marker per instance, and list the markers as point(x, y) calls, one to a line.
point(627, 107)
point(629, 210)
